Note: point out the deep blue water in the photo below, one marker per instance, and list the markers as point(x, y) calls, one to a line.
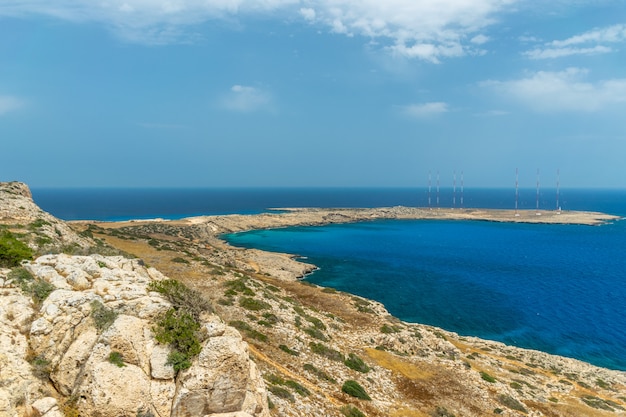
point(556, 288)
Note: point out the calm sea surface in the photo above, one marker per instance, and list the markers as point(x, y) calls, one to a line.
point(556, 288)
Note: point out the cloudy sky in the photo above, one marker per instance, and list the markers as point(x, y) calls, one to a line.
point(130, 93)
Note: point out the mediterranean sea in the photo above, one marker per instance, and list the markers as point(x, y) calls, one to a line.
point(554, 288)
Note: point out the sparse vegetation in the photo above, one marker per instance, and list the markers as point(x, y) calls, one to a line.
point(319, 373)
point(511, 403)
point(116, 359)
point(441, 412)
point(102, 316)
point(387, 329)
point(354, 389)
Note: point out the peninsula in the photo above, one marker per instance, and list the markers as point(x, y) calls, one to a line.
point(307, 350)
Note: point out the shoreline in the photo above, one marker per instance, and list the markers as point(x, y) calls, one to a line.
point(291, 267)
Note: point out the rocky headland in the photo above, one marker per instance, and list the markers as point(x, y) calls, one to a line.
point(269, 344)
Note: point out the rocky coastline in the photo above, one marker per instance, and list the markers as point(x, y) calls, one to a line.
point(271, 344)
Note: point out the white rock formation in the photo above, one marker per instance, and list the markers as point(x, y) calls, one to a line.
point(62, 333)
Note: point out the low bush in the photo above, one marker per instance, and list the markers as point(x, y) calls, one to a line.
point(179, 329)
point(351, 411)
point(354, 389)
point(12, 250)
point(253, 305)
point(181, 296)
point(487, 377)
point(323, 350)
point(286, 349)
point(356, 363)
point(319, 373)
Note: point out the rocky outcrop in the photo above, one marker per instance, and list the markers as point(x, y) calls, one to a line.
point(62, 341)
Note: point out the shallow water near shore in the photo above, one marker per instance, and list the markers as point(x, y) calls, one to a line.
point(555, 288)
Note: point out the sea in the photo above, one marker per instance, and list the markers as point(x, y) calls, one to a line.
point(560, 289)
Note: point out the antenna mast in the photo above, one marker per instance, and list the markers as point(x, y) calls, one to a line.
point(454, 189)
point(429, 187)
point(437, 189)
point(461, 189)
point(516, 189)
point(558, 180)
point(537, 191)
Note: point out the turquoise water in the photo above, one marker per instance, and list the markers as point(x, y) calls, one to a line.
point(555, 288)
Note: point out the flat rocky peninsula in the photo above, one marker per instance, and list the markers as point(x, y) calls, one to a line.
point(285, 217)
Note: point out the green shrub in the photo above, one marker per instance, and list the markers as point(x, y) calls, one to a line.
point(327, 352)
point(511, 403)
point(116, 359)
point(487, 377)
point(238, 286)
point(12, 251)
point(179, 329)
point(319, 373)
point(22, 277)
point(40, 290)
point(299, 388)
point(286, 349)
point(387, 329)
point(356, 363)
point(441, 412)
point(351, 411)
point(181, 296)
point(102, 316)
point(354, 389)
point(253, 304)
point(281, 392)
point(315, 333)
point(180, 260)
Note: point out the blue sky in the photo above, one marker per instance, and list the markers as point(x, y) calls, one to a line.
point(221, 93)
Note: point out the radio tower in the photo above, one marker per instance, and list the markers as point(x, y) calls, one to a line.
point(429, 187)
point(516, 189)
point(558, 180)
point(461, 189)
point(454, 189)
point(437, 189)
point(537, 192)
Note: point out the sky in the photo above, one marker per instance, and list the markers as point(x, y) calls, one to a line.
point(312, 93)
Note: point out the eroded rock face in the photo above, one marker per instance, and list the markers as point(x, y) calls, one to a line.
point(77, 350)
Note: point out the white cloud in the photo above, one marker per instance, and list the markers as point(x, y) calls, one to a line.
point(480, 39)
point(246, 99)
point(308, 14)
point(423, 29)
point(567, 90)
point(424, 110)
point(9, 103)
point(588, 43)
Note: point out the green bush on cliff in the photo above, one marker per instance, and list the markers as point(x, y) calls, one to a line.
point(181, 296)
point(354, 389)
point(12, 251)
point(179, 329)
point(356, 363)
